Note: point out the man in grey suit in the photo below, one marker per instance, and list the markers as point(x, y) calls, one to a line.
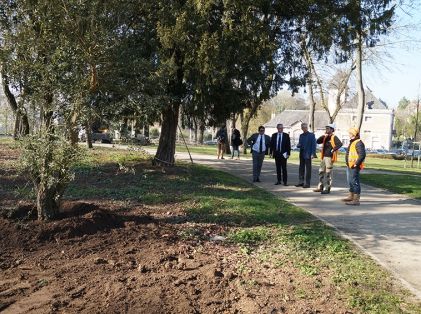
point(260, 144)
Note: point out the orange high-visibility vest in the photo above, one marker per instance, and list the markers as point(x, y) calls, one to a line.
point(332, 142)
point(353, 155)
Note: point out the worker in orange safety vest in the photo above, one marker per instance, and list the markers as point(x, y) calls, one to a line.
point(355, 156)
point(329, 154)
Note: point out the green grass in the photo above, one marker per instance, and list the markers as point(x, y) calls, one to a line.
point(254, 219)
point(198, 149)
point(402, 184)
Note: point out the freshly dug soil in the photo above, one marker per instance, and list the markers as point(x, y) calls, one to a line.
point(102, 257)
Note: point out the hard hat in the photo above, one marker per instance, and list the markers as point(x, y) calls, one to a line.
point(331, 125)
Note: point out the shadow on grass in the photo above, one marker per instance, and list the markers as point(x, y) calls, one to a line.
point(206, 195)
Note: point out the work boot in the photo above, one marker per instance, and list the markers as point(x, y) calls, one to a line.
point(327, 191)
point(319, 189)
point(349, 198)
point(355, 201)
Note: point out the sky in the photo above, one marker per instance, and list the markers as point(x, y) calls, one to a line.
point(399, 75)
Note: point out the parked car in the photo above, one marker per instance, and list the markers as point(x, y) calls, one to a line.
point(211, 142)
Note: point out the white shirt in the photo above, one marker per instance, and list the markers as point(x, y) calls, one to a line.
point(256, 146)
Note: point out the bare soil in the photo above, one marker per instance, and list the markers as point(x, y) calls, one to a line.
point(100, 257)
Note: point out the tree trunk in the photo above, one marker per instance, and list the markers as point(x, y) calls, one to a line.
point(245, 122)
point(244, 130)
point(73, 131)
point(195, 129)
point(21, 118)
point(312, 104)
point(146, 130)
point(166, 147)
point(47, 206)
point(88, 129)
point(202, 128)
point(360, 85)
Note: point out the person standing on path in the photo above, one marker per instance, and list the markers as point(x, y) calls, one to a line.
point(355, 156)
point(307, 146)
point(221, 137)
point(280, 149)
point(236, 142)
point(329, 154)
point(259, 143)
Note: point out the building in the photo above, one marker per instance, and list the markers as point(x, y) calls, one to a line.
point(376, 130)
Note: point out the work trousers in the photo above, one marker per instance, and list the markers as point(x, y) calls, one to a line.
point(325, 173)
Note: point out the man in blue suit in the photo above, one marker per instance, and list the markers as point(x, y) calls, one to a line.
point(307, 146)
point(260, 144)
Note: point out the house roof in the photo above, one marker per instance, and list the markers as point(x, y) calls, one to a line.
point(371, 101)
point(291, 117)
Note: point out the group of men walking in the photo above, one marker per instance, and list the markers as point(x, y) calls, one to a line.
point(279, 147)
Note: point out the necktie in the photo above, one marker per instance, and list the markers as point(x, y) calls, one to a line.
point(279, 142)
point(261, 144)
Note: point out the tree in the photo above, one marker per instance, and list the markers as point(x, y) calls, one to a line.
point(363, 24)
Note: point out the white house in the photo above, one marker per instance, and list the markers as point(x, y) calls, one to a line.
point(376, 129)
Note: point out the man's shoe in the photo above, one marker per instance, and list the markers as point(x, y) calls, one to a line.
point(285, 184)
point(325, 192)
point(355, 201)
point(306, 186)
point(299, 184)
point(254, 180)
point(277, 183)
point(349, 198)
point(258, 180)
point(318, 190)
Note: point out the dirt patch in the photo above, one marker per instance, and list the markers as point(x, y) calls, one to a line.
point(103, 257)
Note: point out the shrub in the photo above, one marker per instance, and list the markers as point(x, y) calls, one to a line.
point(48, 159)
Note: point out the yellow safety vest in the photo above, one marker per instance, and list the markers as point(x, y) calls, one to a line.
point(353, 155)
point(332, 142)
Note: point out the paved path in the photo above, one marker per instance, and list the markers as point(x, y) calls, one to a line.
point(386, 226)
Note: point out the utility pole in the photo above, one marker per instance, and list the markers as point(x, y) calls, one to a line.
point(416, 127)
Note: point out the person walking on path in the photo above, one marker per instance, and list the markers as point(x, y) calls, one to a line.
point(236, 142)
point(355, 156)
point(280, 149)
point(307, 146)
point(329, 154)
point(221, 137)
point(259, 143)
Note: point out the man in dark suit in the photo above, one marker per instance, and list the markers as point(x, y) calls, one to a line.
point(280, 148)
point(260, 144)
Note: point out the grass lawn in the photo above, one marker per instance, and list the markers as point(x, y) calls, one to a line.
point(263, 226)
point(403, 184)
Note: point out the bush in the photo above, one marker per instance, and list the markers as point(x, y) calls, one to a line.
point(48, 159)
point(154, 133)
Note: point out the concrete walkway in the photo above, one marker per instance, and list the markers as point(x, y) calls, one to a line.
point(386, 226)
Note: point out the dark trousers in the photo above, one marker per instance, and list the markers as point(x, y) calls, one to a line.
point(353, 178)
point(234, 149)
point(281, 168)
point(257, 164)
point(305, 168)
